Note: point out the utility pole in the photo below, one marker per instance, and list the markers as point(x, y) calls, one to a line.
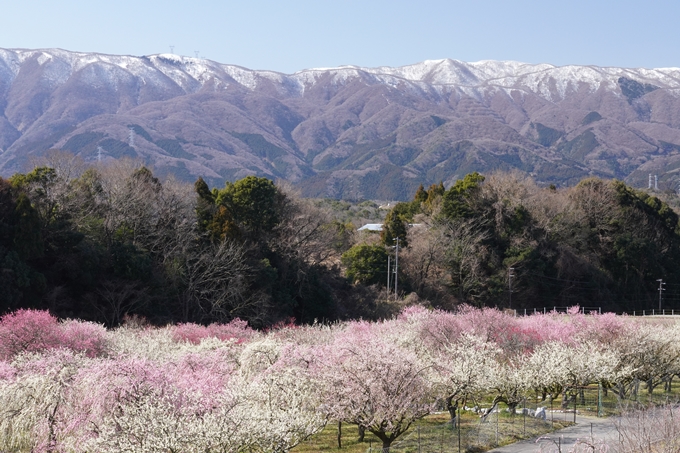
point(510, 276)
point(388, 271)
point(661, 289)
point(396, 269)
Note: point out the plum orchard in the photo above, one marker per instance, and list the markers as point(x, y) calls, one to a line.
point(71, 386)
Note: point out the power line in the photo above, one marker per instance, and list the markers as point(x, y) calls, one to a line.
point(559, 279)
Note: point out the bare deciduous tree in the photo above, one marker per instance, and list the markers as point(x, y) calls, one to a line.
point(120, 297)
point(423, 262)
point(218, 280)
point(305, 232)
point(465, 255)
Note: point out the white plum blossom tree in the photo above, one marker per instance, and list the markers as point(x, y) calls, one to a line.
point(374, 383)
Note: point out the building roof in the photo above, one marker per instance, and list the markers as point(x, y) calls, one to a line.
point(372, 227)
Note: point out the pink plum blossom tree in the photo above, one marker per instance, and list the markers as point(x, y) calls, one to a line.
point(36, 331)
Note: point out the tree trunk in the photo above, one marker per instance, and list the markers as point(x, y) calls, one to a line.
point(566, 399)
point(362, 433)
point(339, 434)
point(452, 408)
point(52, 442)
point(495, 402)
point(386, 440)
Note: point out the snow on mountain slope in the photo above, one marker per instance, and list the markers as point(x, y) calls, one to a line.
point(192, 73)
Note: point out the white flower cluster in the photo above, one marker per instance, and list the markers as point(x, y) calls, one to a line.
point(154, 390)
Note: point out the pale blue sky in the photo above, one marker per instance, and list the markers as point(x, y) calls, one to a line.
point(289, 35)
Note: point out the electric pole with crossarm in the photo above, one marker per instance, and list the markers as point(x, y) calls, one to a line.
point(661, 289)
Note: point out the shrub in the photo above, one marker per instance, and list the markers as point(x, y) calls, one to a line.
point(193, 333)
point(27, 331)
point(86, 337)
point(37, 331)
point(366, 264)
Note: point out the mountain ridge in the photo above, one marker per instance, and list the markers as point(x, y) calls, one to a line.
point(347, 132)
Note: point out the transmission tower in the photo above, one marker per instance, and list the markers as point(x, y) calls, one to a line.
point(131, 138)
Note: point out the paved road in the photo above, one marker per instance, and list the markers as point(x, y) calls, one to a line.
point(602, 429)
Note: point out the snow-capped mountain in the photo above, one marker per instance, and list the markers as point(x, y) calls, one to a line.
point(347, 131)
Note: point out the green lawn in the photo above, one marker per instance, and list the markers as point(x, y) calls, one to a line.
point(434, 434)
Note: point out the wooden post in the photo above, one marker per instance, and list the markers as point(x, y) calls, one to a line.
point(459, 450)
point(552, 413)
point(419, 450)
point(600, 412)
point(497, 417)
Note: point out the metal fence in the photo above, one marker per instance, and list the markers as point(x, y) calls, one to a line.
point(590, 310)
point(554, 309)
point(471, 435)
point(476, 433)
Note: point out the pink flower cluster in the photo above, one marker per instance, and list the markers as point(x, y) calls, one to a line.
point(236, 330)
point(35, 331)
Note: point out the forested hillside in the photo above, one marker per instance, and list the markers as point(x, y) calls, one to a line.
point(102, 242)
point(111, 242)
point(502, 240)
